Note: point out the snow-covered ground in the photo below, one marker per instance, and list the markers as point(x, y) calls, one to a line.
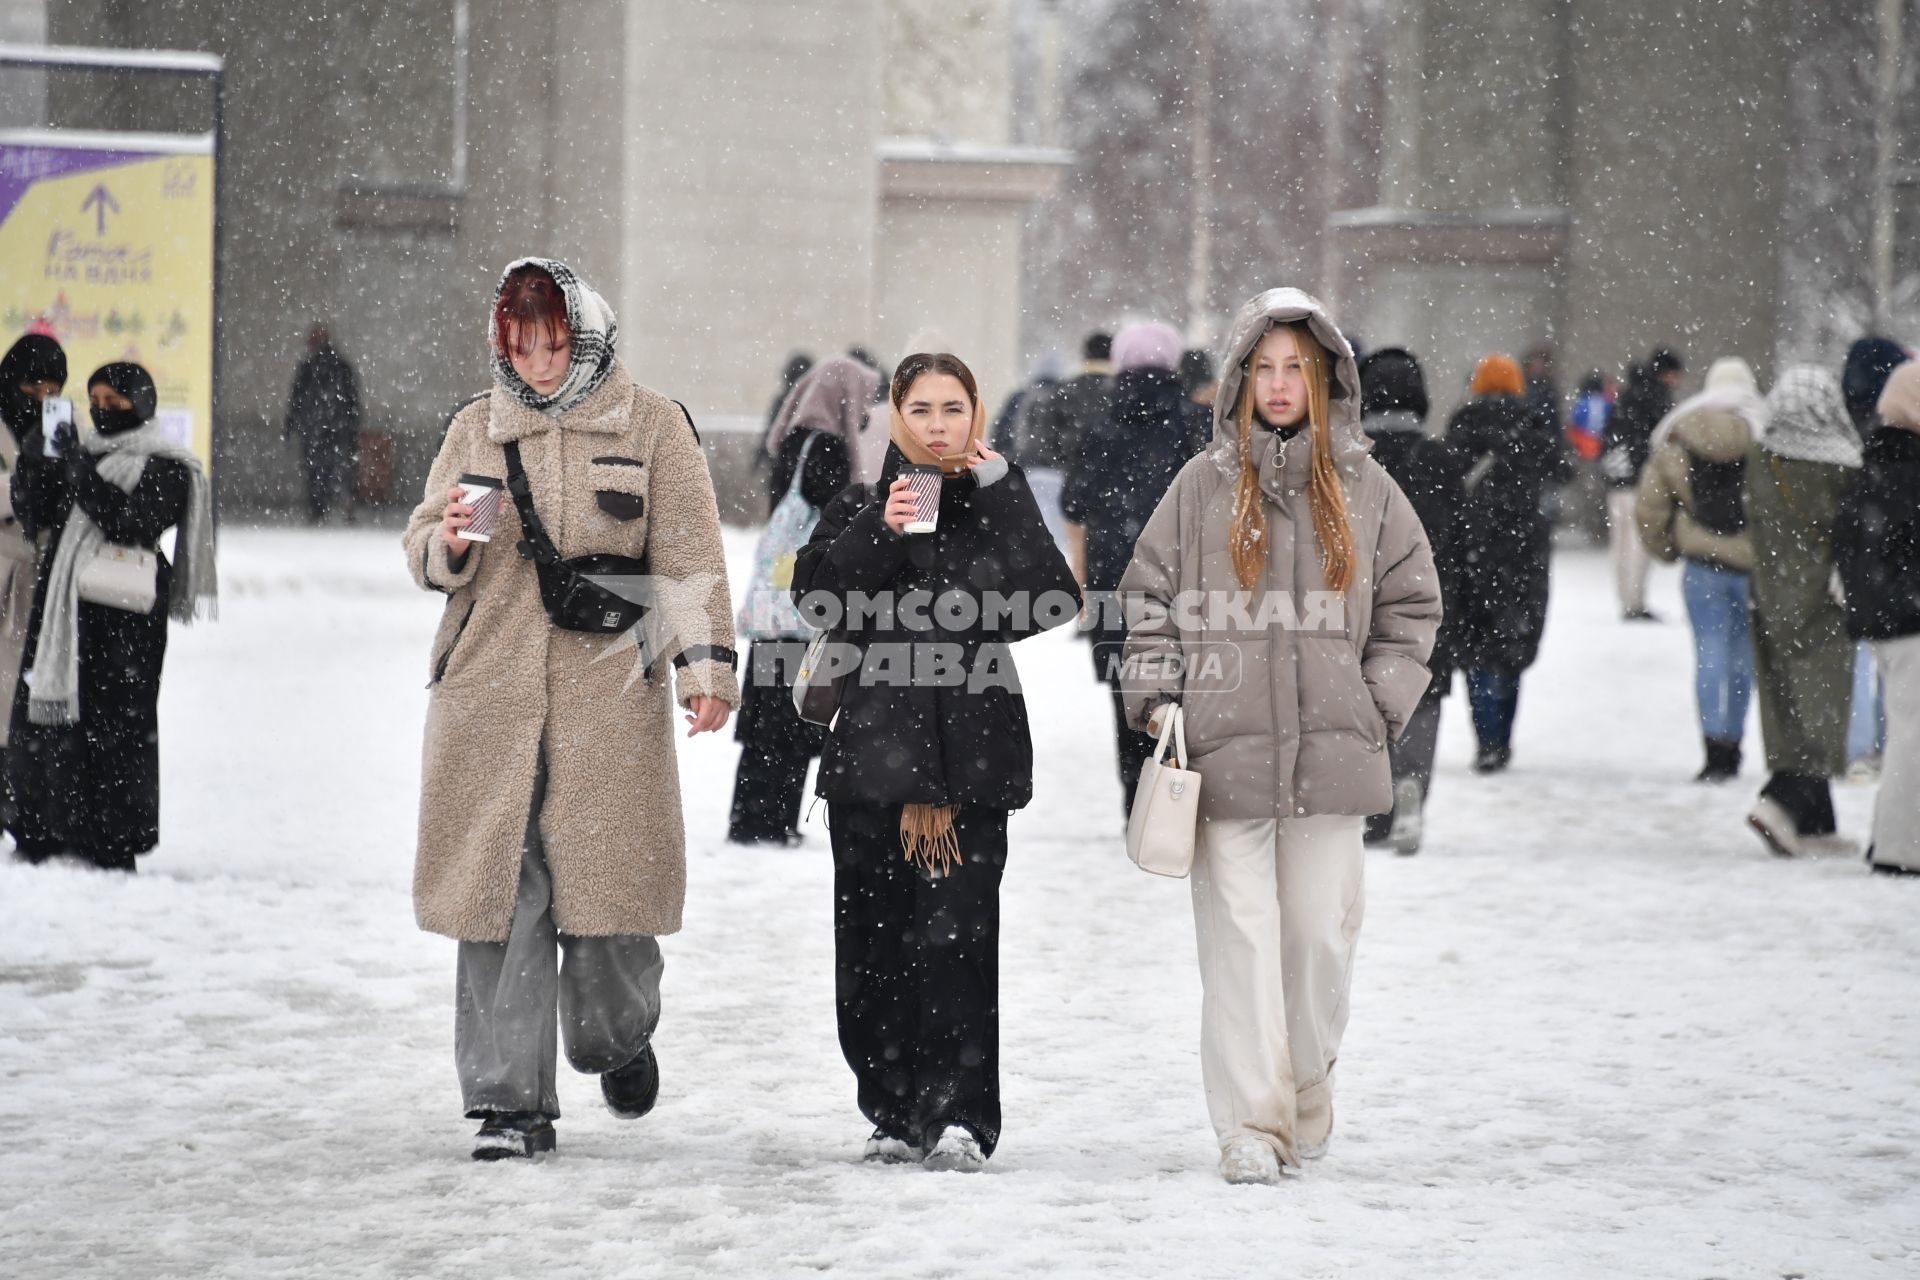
point(1596, 1030)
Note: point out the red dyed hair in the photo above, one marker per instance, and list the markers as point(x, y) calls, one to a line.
point(530, 298)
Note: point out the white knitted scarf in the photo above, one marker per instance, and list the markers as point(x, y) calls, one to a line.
point(54, 694)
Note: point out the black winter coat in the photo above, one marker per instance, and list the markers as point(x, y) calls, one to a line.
point(1126, 464)
point(1506, 460)
point(95, 785)
point(1876, 540)
point(828, 470)
point(324, 406)
point(1644, 401)
point(1057, 419)
point(1428, 472)
point(902, 735)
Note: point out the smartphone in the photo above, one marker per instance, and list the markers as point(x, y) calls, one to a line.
point(54, 414)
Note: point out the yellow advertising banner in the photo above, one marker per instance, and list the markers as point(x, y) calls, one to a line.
point(106, 243)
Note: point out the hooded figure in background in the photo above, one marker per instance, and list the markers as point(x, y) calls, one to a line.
point(84, 756)
point(1877, 549)
point(813, 445)
point(1507, 456)
point(34, 369)
point(1393, 413)
point(1689, 508)
point(1796, 476)
point(1126, 463)
point(323, 411)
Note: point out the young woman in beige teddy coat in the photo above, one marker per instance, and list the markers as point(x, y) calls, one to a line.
point(550, 797)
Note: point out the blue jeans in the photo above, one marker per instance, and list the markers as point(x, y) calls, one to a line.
point(1867, 722)
point(1722, 648)
point(1494, 695)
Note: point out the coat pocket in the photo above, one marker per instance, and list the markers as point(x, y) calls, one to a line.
point(619, 486)
point(443, 651)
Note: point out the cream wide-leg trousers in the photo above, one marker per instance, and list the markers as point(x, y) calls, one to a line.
point(1276, 908)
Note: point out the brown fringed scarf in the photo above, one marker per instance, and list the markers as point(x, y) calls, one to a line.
point(926, 830)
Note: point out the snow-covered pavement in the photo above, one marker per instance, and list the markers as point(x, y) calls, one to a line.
point(1596, 1030)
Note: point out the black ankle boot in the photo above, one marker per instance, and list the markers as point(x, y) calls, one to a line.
point(513, 1135)
point(631, 1091)
point(1723, 761)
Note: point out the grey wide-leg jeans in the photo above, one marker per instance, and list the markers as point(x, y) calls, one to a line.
point(604, 991)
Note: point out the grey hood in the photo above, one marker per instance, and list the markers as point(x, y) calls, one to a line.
point(1262, 312)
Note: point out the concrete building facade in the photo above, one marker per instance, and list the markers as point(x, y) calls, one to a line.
point(1594, 177)
point(740, 179)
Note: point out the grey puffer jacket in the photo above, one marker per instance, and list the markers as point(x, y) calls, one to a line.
point(1289, 707)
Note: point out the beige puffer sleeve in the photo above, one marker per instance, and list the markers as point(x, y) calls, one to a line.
point(686, 558)
point(427, 554)
point(1657, 500)
point(1406, 612)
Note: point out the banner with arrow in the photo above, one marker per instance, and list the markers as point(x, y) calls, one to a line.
point(106, 243)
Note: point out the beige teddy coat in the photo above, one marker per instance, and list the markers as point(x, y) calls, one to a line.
point(505, 680)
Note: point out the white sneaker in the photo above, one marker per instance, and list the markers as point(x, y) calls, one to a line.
point(1834, 846)
point(1249, 1162)
point(1408, 799)
point(1773, 824)
point(957, 1151)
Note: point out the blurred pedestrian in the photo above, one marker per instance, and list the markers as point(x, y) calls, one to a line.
point(1393, 413)
point(1587, 423)
point(1644, 402)
point(1197, 377)
point(1806, 460)
point(1126, 462)
point(33, 371)
point(790, 374)
point(813, 443)
point(1690, 507)
point(1864, 376)
point(1047, 443)
point(323, 413)
point(84, 750)
point(1877, 550)
point(1506, 458)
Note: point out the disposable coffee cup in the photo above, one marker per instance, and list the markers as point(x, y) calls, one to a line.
point(923, 482)
point(482, 493)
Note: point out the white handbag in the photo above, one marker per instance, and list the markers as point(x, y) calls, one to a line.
point(1166, 805)
point(121, 578)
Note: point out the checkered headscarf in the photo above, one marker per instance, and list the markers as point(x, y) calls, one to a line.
point(591, 324)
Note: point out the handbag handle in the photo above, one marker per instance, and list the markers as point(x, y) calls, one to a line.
point(1175, 726)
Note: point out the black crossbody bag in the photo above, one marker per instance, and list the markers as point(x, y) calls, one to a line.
point(571, 597)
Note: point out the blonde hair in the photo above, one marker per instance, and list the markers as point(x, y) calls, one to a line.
point(1247, 539)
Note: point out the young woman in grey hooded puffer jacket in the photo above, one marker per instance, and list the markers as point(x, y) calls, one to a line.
point(1290, 556)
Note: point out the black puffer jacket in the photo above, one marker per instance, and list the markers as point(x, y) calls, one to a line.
point(902, 736)
point(1126, 463)
point(1506, 460)
point(1876, 540)
point(1428, 472)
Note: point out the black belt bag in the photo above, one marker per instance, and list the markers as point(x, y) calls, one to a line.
point(571, 597)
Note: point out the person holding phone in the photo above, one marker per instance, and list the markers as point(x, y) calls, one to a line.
point(927, 757)
point(33, 372)
point(84, 745)
point(551, 845)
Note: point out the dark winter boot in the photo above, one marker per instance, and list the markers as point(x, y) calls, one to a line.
point(514, 1135)
point(1378, 827)
point(1492, 759)
point(631, 1091)
point(111, 860)
point(1723, 761)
